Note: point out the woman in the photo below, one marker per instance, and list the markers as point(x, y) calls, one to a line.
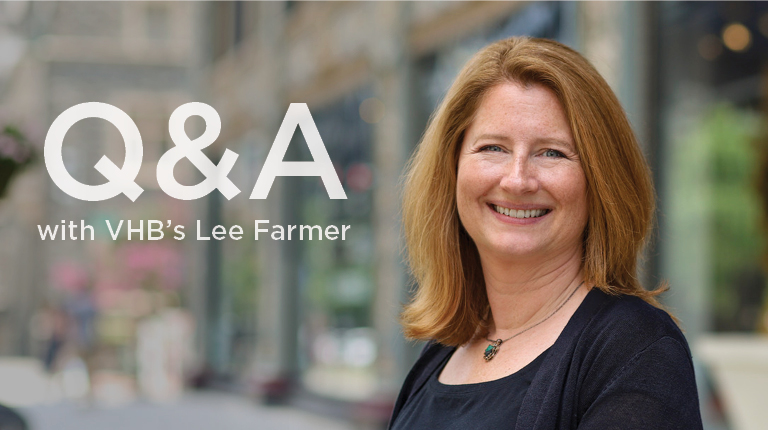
point(525, 208)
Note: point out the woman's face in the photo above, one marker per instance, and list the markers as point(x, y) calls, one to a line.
point(521, 191)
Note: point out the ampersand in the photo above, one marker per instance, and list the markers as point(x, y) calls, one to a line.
point(215, 174)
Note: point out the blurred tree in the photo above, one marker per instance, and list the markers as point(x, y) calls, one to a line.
point(727, 138)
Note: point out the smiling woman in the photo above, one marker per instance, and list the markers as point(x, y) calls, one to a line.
point(525, 208)
point(518, 167)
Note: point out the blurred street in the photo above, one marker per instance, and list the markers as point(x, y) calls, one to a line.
point(195, 410)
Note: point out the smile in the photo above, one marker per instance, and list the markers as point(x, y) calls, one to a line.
point(535, 213)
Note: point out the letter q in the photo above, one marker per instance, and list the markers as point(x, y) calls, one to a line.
point(121, 180)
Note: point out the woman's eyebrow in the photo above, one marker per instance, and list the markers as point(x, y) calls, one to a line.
point(491, 136)
point(545, 140)
point(561, 142)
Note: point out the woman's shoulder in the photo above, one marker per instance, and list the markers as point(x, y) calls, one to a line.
point(621, 330)
point(625, 317)
point(630, 352)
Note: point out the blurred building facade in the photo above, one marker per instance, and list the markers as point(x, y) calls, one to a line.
point(319, 318)
point(140, 57)
point(372, 73)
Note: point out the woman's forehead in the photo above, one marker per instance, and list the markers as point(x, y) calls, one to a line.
point(510, 110)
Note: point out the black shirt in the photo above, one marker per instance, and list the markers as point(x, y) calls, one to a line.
point(487, 405)
point(619, 363)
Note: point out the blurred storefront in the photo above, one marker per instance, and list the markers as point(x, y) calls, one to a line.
point(372, 73)
point(113, 308)
point(712, 179)
point(690, 76)
point(712, 100)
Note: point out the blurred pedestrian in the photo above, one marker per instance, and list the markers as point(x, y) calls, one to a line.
point(56, 327)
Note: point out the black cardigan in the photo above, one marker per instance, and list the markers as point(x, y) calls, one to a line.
point(619, 363)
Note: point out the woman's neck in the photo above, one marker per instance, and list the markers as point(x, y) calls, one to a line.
point(521, 294)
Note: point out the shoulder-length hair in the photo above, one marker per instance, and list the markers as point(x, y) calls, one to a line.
point(450, 303)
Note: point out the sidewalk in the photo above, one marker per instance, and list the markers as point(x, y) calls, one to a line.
point(194, 411)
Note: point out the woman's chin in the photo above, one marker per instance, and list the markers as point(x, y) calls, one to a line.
point(517, 251)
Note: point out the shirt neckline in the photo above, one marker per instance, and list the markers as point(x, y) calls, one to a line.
point(526, 372)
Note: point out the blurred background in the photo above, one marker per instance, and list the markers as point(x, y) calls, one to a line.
point(303, 334)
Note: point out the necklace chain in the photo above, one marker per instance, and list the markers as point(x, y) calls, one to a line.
point(493, 348)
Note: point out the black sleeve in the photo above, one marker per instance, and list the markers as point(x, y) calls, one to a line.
point(655, 390)
point(429, 359)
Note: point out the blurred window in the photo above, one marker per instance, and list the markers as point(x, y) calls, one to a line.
point(158, 21)
point(435, 71)
point(336, 278)
point(712, 65)
point(88, 19)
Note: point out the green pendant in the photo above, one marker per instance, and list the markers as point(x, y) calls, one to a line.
point(491, 350)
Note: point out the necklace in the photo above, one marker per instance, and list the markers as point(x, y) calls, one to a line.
point(493, 348)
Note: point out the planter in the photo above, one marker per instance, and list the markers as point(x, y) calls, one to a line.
point(739, 365)
point(15, 154)
point(8, 168)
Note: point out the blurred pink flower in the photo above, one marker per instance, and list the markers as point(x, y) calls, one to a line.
point(152, 262)
point(69, 276)
point(14, 146)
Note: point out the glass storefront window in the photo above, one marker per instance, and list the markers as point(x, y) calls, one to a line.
point(713, 58)
point(336, 277)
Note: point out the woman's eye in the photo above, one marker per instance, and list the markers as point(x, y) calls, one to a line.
point(553, 153)
point(491, 148)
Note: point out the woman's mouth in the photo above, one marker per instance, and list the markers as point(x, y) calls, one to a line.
point(521, 214)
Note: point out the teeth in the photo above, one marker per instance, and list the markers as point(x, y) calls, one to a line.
point(520, 213)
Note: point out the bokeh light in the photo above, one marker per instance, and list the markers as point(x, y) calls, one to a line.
point(737, 37)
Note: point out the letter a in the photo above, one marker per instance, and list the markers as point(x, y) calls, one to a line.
point(298, 115)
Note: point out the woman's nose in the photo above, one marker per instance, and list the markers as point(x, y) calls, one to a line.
point(520, 177)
